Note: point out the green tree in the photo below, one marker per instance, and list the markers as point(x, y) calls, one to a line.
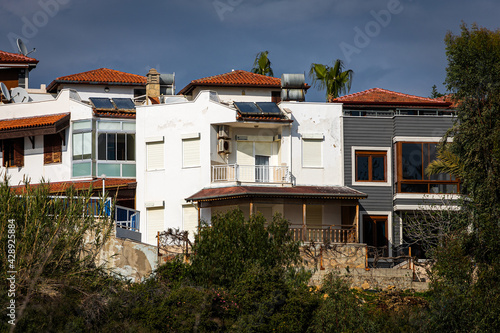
point(231, 245)
point(54, 242)
point(335, 80)
point(435, 93)
point(262, 64)
point(473, 76)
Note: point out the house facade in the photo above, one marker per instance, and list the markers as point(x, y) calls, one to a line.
point(206, 155)
point(389, 139)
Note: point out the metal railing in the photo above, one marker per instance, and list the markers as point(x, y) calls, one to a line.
point(250, 173)
point(332, 234)
point(127, 218)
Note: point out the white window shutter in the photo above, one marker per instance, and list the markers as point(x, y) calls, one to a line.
point(314, 216)
point(155, 155)
point(191, 153)
point(154, 220)
point(312, 153)
point(190, 220)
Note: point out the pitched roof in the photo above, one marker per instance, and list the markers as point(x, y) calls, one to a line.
point(314, 192)
point(61, 187)
point(100, 76)
point(38, 125)
point(14, 58)
point(383, 97)
point(237, 78)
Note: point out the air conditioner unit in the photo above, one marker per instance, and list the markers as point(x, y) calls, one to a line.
point(223, 132)
point(224, 146)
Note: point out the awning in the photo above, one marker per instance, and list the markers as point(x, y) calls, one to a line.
point(208, 195)
point(32, 126)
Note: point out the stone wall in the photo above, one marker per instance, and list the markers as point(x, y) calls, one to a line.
point(132, 260)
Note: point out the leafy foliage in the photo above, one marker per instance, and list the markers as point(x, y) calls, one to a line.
point(466, 278)
point(335, 80)
point(224, 251)
point(262, 64)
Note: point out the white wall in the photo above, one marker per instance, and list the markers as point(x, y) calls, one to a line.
point(33, 157)
point(235, 94)
point(90, 90)
point(174, 183)
point(310, 119)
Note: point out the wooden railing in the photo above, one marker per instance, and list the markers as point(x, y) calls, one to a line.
point(333, 234)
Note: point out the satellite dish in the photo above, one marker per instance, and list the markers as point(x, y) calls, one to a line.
point(19, 95)
point(5, 91)
point(22, 48)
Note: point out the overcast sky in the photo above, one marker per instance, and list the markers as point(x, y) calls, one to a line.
point(391, 44)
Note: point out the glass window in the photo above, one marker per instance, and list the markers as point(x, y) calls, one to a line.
point(371, 166)
point(82, 146)
point(116, 147)
point(413, 159)
point(312, 153)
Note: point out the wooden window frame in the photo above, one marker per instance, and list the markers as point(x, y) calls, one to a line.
point(13, 152)
point(370, 154)
point(52, 148)
point(424, 180)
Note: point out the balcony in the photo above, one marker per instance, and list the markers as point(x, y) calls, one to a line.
point(250, 173)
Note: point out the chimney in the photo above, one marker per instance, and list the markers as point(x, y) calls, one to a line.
point(153, 84)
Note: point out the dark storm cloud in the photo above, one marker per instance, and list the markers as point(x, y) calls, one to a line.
point(402, 50)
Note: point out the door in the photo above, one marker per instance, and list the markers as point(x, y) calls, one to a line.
point(375, 233)
point(261, 168)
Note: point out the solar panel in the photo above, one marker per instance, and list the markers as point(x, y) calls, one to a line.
point(248, 108)
point(269, 108)
point(102, 103)
point(124, 103)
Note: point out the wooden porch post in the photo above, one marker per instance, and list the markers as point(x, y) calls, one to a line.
point(356, 237)
point(304, 216)
point(199, 217)
point(251, 208)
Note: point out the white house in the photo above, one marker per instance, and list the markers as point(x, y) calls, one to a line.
point(197, 157)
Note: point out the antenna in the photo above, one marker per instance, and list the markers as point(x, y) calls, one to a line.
point(19, 95)
point(22, 48)
point(5, 91)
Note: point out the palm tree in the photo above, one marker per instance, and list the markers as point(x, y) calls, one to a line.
point(334, 79)
point(262, 65)
point(446, 162)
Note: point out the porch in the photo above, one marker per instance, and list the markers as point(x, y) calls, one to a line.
point(326, 214)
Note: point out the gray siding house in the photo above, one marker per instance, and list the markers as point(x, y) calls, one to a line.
point(389, 138)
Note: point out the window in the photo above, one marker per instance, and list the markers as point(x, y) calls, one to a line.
point(413, 159)
point(191, 152)
point(312, 153)
point(190, 220)
point(154, 155)
point(314, 216)
point(154, 221)
point(116, 147)
point(371, 166)
point(276, 96)
point(82, 146)
point(52, 148)
point(13, 152)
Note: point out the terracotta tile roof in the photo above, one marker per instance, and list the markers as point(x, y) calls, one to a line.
point(114, 114)
point(31, 122)
point(61, 187)
point(237, 78)
point(383, 97)
point(317, 192)
point(7, 57)
point(264, 119)
point(100, 76)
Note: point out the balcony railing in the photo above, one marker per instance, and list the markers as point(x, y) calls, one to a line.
point(333, 234)
point(250, 173)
